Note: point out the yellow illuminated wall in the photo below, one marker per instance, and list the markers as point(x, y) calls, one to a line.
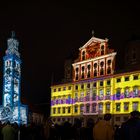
point(119, 94)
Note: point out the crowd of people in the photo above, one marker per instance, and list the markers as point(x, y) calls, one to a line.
point(102, 129)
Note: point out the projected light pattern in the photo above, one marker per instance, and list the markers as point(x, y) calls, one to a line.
point(96, 89)
point(12, 108)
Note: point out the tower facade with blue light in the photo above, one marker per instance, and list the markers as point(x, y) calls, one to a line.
point(12, 109)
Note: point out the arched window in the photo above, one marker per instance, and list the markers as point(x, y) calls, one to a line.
point(102, 50)
point(108, 70)
point(95, 65)
point(109, 62)
point(101, 71)
point(83, 55)
point(95, 73)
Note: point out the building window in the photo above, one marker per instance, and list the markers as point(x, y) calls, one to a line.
point(135, 91)
point(83, 55)
point(87, 96)
point(118, 93)
point(108, 83)
point(81, 109)
point(126, 92)
point(94, 106)
point(69, 109)
point(108, 70)
point(64, 88)
point(95, 65)
point(118, 80)
point(69, 99)
point(101, 94)
point(54, 90)
point(88, 73)
point(126, 106)
point(135, 77)
point(107, 107)
point(59, 89)
point(108, 94)
point(88, 85)
point(126, 78)
point(82, 97)
point(109, 62)
point(76, 109)
point(118, 107)
point(83, 69)
point(101, 83)
point(63, 110)
point(95, 73)
point(101, 71)
point(76, 87)
point(59, 110)
point(54, 110)
point(77, 69)
point(94, 95)
point(59, 100)
point(100, 108)
point(82, 86)
point(76, 97)
point(77, 77)
point(87, 108)
point(135, 106)
point(102, 50)
point(94, 84)
point(69, 88)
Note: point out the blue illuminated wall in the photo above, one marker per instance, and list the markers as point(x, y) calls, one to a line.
point(11, 108)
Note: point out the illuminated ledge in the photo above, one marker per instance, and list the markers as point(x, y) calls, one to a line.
point(94, 59)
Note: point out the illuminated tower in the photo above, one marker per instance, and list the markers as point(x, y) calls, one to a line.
point(12, 109)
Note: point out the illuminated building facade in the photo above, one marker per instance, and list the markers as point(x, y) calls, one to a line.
point(95, 88)
point(11, 108)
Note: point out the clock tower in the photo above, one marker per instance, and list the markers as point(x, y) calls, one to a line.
point(12, 109)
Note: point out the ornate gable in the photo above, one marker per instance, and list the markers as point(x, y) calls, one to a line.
point(95, 47)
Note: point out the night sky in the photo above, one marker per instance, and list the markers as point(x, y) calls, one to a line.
point(50, 32)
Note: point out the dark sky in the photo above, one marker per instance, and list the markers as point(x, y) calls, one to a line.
point(49, 32)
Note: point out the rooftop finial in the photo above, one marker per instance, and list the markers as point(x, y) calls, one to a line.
point(13, 34)
point(92, 32)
